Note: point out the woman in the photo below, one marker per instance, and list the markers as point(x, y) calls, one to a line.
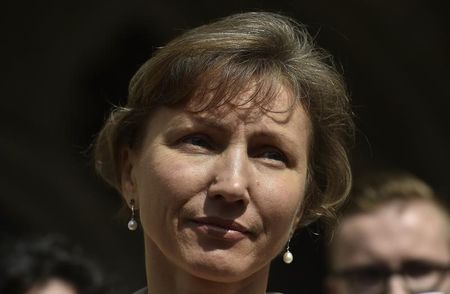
point(232, 137)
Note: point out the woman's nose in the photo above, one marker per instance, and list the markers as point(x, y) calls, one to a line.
point(231, 176)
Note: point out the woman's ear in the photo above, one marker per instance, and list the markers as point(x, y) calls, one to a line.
point(127, 179)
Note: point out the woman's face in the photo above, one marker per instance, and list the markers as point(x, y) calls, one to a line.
point(219, 192)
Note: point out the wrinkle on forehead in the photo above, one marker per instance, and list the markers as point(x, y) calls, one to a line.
point(262, 93)
point(247, 106)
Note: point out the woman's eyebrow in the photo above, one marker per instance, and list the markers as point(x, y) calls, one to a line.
point(289, 144)
point(211, 122)
point(189, 121)
point(278, 137)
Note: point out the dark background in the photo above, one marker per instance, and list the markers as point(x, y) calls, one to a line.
point(64, 63)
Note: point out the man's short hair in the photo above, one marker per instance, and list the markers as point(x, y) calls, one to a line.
point(377, 189)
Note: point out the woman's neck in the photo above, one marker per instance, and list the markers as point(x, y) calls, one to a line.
point(164, 277)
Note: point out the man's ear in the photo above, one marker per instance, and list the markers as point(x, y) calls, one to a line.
point(127, 166)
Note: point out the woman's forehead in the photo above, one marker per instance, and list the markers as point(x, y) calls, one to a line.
point(226, 114)
point(250, 101)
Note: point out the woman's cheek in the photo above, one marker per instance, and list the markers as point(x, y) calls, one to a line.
point(180, 175)
point(283, 197)
point(166, 182)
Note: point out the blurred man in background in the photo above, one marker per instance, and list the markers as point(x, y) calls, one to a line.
point(47, 265)
point(392, 238)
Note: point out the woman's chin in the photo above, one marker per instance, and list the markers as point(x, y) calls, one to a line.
point(220, 267)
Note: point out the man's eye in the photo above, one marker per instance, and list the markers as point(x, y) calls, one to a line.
point(370, 274)
point(366, 276)
point(418, 269)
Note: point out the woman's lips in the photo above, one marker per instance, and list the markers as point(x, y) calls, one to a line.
point(219, 228)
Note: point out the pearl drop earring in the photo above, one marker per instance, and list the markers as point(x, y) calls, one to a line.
point(132, 223)
point(287, 256)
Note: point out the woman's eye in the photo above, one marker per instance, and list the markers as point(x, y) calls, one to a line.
point(197, 140)
point(273, 154)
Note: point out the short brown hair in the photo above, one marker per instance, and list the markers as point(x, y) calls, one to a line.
point(223, 58)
